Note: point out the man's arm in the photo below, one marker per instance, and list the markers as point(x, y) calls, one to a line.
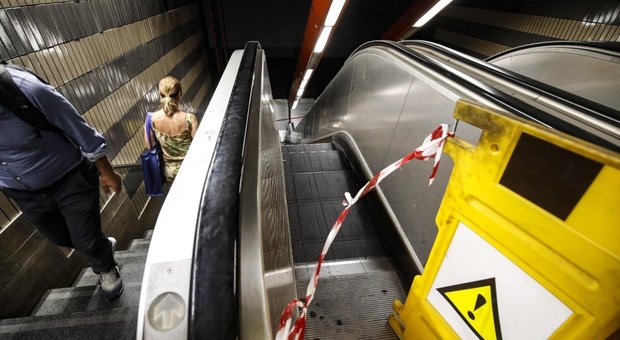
point(107, 176)
point(62, 114)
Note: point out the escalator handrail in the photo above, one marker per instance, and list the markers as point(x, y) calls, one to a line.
point(571, 100)
point(604, 46)
point(503, 100)
point(213, 301)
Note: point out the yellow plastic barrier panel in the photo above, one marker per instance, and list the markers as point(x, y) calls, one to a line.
point(529, 239)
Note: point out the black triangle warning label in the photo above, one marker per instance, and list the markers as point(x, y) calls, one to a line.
point(476, 304)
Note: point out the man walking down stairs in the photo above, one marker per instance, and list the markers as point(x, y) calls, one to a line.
point(81, 311)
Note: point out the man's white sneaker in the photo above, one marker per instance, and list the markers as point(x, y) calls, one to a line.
point(111, 281)
point(112, 242)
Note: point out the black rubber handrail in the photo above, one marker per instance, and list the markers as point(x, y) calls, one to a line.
point(503, 100)
point(568, 99)
point(603, 45)
point(213, 300)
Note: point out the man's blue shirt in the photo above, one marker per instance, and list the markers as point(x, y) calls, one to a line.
point(29, 162)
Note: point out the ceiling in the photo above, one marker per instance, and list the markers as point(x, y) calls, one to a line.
point(279, 26)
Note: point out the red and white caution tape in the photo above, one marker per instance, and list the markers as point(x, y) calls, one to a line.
point(431, 148)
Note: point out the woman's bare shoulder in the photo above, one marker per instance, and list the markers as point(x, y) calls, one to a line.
point(159, 114)
point(191, 116)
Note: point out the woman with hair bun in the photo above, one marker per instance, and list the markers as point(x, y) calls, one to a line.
point(174, 129)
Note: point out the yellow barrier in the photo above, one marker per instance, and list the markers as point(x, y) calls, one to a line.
point(529, 239)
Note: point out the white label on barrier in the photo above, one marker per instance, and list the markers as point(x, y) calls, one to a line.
point(484, 295)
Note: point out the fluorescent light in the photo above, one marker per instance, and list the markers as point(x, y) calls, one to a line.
point(431, 13)
point(304, 82)
point(322, 41)
point(295, 104)
point(300, 92)
point(334, 12)
point(308, 73)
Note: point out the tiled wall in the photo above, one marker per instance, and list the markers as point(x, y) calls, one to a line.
point(106, 57)
point(483, 32)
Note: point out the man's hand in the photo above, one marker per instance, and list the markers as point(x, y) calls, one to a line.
point(111, 181)
point(107, 176)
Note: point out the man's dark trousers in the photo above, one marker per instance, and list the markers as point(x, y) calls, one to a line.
point(67, 213)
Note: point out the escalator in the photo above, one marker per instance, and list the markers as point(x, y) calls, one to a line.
point(352, 113)
point(359, 280)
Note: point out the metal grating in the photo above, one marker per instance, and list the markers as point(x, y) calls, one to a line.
point(353, 300)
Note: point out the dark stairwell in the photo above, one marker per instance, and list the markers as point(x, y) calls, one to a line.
point(80, 311)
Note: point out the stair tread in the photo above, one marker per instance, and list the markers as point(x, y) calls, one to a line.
point(148, 234)
point(129, 254)
point(130, 272)
point(139, 244)
point(85, 298)
point(111, 323)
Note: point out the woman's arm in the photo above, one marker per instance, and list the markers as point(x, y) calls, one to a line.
point(194, 120)
point(147, 143)
point(149, 140)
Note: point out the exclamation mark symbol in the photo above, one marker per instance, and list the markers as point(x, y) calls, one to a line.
point(480, 301)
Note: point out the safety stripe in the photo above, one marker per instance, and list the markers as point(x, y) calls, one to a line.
point(430, 148)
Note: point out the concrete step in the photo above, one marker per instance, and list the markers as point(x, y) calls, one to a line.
point(139, 245)
point(108, 324)
point(85, 299)
point(130, 272)
point(130, 256)
point(148, 234)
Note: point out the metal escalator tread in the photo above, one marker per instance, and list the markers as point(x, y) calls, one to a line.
point(317, 176)
point(353, 300)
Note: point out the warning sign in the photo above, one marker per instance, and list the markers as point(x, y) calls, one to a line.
point(482, 294)
point(476, 304)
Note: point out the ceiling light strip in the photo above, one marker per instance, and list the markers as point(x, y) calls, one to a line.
point(334, 12)
point(322, 41)
point(431, 13)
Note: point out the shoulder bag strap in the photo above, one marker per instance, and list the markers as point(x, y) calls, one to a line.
point(148, 126)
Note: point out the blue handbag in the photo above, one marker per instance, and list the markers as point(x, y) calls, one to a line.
point(152, 164)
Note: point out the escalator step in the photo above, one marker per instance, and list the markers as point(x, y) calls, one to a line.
point(311, 222)
point(316, 161)
point(315, 147)
point(320, 185)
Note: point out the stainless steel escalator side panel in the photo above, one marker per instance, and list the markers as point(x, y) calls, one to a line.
point(388, 105)
point(597, 118)
point(589, 73)
point(266, 276)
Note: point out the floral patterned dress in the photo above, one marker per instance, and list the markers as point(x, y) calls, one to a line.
point(174, 148)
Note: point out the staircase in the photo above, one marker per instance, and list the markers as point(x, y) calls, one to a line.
point(80, 311)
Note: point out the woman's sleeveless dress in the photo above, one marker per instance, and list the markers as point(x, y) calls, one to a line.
point(174, 148)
